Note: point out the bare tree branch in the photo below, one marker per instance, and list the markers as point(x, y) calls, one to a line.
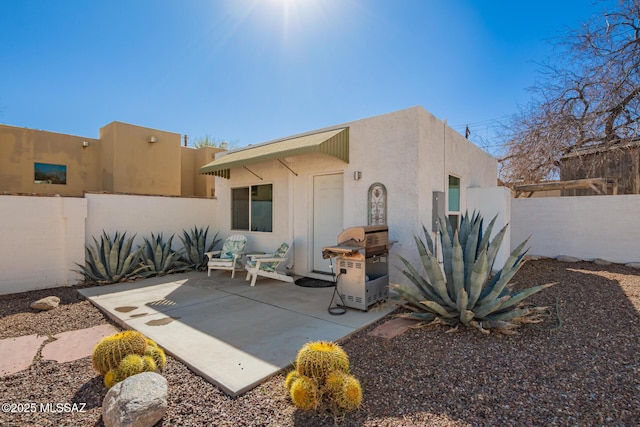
point(589, 96)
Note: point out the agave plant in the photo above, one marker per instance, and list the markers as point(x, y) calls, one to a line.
point(111, 260)
point(159, 259)
point(195, 247)
point(467, 293)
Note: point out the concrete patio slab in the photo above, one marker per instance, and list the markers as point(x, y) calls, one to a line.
point(16, 354)
point(74, 345)
point(232, 334)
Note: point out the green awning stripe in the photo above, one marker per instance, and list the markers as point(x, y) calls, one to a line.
point(334, 143)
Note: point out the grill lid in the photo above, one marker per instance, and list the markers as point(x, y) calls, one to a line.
point(373, 238)
point(359, 234)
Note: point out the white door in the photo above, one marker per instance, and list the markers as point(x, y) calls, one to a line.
point(327, 216)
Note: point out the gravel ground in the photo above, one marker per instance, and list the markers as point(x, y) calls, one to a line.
point(586, 373)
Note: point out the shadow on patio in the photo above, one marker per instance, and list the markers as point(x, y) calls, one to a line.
point(232, 334)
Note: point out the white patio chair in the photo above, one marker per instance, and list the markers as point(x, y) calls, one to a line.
point(228, 258)
point(267, 265)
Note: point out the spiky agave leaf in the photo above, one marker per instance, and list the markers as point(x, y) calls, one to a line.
point(506, 274)
point(478, 278)
point(470, 249)
point(494, 247)
point(425, 317)
point(457, 265)
point(423, 285)
point(484, 241)
point(447, 259)
point(525, 293)
point(437, 280)
point(413, 300)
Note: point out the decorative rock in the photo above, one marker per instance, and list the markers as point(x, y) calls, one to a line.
point(633, 265)
point(534, 257)
point(46, 303)
point(138, 401)
point(566, 258)
point(600, 261)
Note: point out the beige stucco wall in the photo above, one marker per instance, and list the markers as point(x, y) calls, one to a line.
point(20, 148)
point(192, 183)
point(404, 150)
point(132, 164)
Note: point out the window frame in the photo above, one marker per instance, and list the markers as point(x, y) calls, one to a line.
point(449, 212)
point(248, 187)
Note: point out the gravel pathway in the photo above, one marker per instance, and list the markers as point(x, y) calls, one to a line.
point(586, 373)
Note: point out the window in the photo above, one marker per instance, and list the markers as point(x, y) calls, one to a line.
point(453, 206)
point(252, 208)
point(45, 173)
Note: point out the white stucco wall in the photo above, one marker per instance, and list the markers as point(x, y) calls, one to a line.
point(492, 201)
point(404, 150)
point(142, 215)
point(585, 227)
point(42, 239)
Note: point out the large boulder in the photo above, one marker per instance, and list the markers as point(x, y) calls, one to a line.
point(46, 303)
point(138, 401)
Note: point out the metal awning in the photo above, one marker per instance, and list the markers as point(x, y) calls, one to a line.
point(333, 143)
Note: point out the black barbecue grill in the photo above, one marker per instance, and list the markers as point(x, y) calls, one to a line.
point(362, 266)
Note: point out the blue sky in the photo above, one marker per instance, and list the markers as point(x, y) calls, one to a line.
point(255, 70)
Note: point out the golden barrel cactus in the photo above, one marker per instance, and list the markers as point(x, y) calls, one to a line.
point(130, 365)
point(110, 351)
point(322, 375)
point(317, 359)
point(291, 377)
point(344, 390)
point(304, 393)
point(156, 353)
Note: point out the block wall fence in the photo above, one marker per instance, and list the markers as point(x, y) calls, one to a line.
point(44, 237)
point(585, 227)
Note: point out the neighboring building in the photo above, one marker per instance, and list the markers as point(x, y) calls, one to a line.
point(309, 187)
point(125, 159)
point(617, 162)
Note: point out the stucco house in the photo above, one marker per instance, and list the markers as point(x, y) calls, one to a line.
point(309, 187)
point(125, 159)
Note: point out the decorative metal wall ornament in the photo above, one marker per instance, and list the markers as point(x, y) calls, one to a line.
point(377, 204)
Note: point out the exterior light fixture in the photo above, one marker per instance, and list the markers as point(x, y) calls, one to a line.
point(357, 175)
point(153, 139)
point(85, 143)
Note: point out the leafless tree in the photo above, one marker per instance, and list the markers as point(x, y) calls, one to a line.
point(589, 95)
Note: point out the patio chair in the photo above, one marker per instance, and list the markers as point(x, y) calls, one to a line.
point(228, 258)
point(268, 265)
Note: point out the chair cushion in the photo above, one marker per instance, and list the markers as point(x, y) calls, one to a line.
point(232, 247)
point(220, 263)
point(271, 266)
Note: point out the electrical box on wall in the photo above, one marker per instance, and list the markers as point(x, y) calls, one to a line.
point(438, 209)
